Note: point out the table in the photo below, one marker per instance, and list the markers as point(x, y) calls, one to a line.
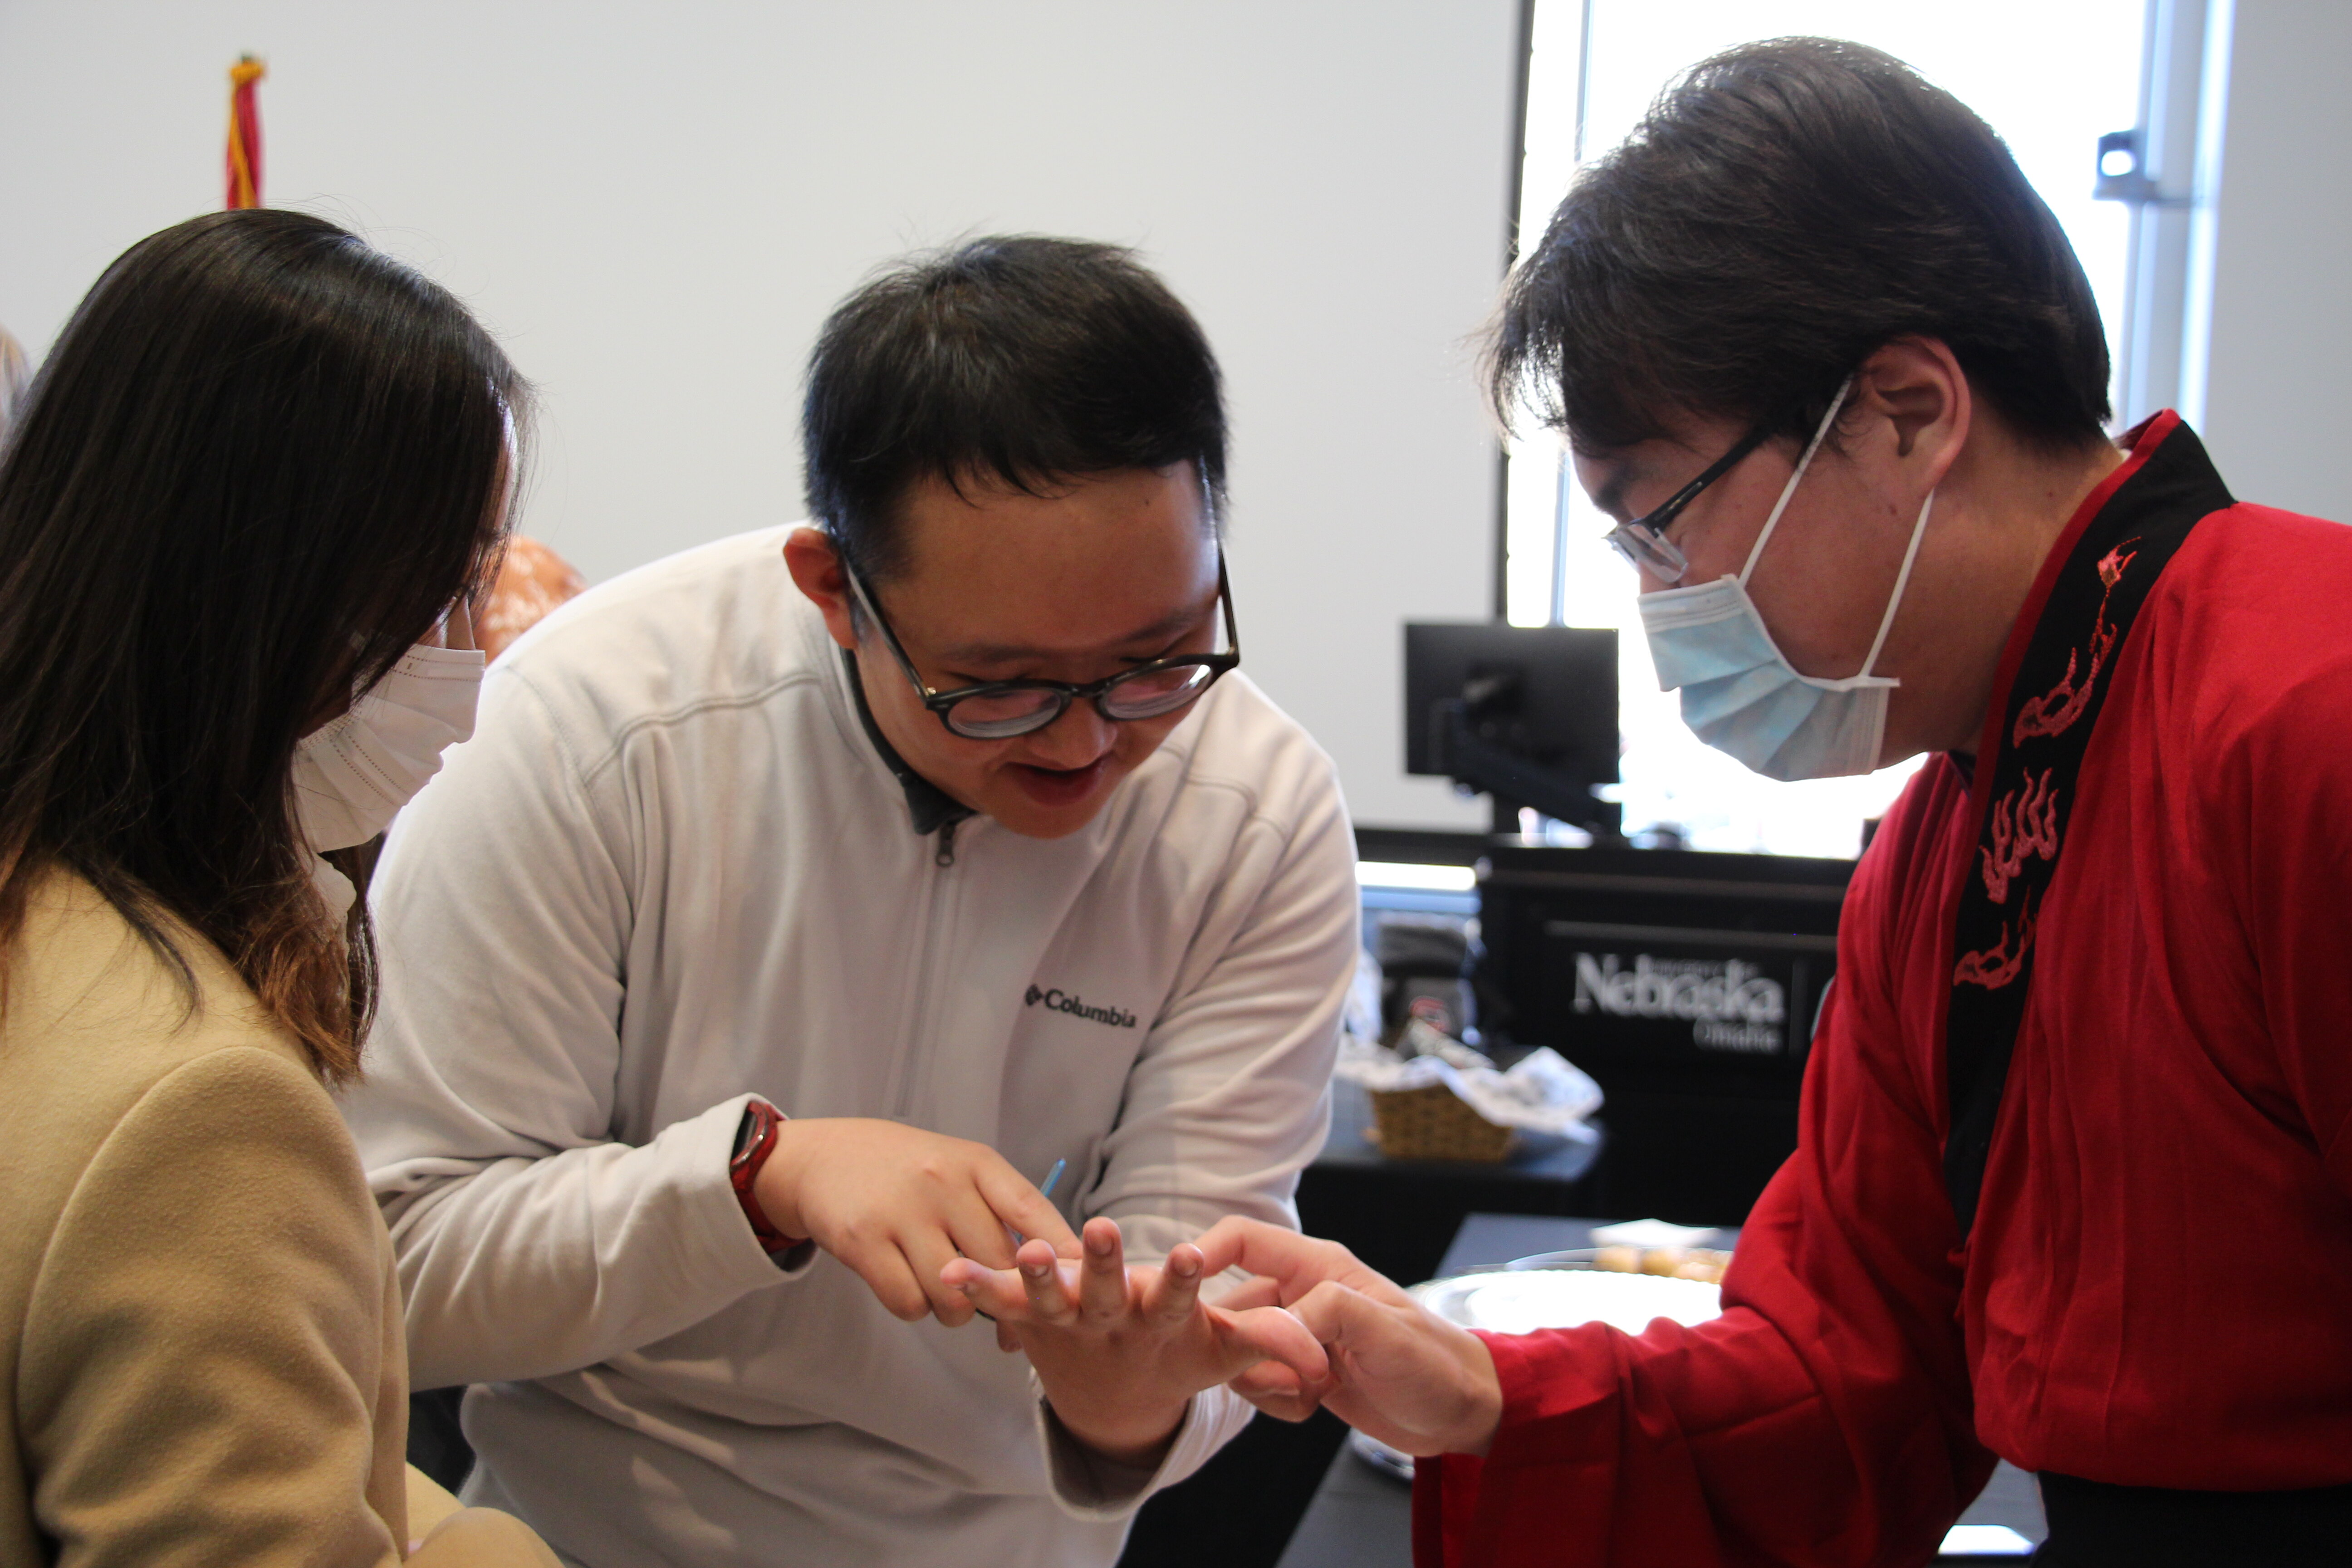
point(1363, 1518)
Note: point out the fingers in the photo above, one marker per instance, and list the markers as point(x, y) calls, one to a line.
point(1298, 1263)
point(1276, 1335)
point(1413, 1380)
point(1342, 1319)
point(1018, 1204)
point(1284, 1402)
point(1266, 1378)
point(927, 1255)
point(1252, 1244)
point(1049, 1300)
point(1171, 1297)
point(1275, 1389)
point(893, 1281)
point(1283, 1408)
point(976, 1231)
point(1005, 1294)
point(1100, 1290)
point(1252, 1292)
point(1102, 1274)
point(995, 1291)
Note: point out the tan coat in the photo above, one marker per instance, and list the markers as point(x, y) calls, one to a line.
point(201, 1353)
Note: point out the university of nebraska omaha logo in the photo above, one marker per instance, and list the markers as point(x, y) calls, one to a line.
point(1076, 1006)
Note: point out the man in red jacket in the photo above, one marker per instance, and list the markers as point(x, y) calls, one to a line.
point(2073, 1177)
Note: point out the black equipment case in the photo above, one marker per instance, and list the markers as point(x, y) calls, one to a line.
point(1687, 983)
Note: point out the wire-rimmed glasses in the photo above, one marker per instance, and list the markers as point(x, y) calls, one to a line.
point(1000, 710)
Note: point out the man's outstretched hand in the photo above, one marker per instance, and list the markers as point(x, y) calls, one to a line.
point(1121, 1351)
point(1398, 1371)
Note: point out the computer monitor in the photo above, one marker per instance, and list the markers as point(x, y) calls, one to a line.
point(1528, 714)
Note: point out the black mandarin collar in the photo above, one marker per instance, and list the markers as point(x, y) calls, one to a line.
point(2175, 476)
point(929, 807)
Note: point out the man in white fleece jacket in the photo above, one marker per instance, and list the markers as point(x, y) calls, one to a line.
point(802, 901)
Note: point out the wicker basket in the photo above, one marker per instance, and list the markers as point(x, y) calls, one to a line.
point(1433, 1124)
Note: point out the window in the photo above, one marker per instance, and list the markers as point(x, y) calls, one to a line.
point(2050, 78)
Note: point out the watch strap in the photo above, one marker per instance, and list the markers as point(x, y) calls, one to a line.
point(755, 1139)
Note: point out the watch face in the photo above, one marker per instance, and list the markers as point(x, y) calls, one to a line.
point(747, 1133)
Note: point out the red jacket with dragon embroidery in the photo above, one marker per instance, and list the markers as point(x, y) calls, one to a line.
point(2157, 1289)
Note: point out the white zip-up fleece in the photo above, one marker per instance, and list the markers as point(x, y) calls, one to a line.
point(671, 870)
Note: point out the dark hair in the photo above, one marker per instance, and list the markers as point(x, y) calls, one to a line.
point(261, 462)
point(1783, 211)
point(1018, 359)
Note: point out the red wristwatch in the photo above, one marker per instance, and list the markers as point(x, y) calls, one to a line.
point(755, 1139)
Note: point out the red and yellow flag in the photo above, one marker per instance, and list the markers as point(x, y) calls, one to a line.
point(243, 135)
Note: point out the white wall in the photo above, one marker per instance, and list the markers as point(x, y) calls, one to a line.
point(655, 206)
point(2282, 266)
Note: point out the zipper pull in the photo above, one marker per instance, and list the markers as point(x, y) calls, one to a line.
point(945, 855)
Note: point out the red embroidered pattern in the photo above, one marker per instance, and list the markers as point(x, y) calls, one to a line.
point(2055, 710)
point(1996, 966)
point(2024, 791)
point(2024, 823)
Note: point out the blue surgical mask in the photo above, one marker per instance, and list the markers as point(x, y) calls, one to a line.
point(1740, 693)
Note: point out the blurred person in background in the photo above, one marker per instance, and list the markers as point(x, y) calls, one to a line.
point(240, 511)
point(2072, 1184)
point(533, 583)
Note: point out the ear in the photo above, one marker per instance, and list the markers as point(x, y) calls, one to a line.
point(817, 572)
point(1915, 392)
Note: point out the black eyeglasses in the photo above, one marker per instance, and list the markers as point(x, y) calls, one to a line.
point(1000, 710)
point(1643, 540)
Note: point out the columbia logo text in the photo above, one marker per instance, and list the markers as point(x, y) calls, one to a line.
point(1732, 1005)
point(1076, 1006)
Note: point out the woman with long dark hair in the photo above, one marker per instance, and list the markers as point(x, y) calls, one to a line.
point(256, 475)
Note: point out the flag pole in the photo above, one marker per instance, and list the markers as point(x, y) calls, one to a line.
point(243, 135)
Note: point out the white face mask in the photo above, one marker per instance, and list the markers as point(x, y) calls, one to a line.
point(352, 775)
point(1740, 693)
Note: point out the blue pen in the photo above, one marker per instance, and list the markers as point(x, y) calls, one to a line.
point(1045, 1190)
